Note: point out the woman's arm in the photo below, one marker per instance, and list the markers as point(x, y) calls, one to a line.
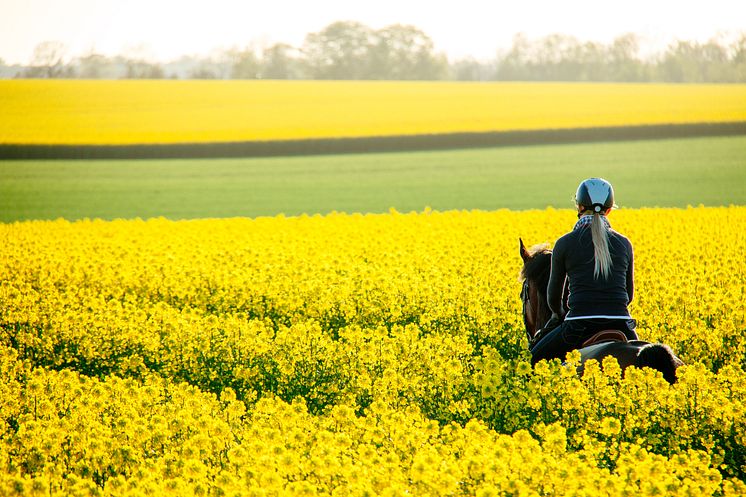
point(631, 276)
point(557, 277)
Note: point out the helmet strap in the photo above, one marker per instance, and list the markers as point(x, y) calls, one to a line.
point(596, 209)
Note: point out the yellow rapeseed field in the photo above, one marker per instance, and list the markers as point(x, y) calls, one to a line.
point(129, 112)
point(357, 355)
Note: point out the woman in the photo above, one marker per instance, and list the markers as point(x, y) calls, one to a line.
point(598, 264)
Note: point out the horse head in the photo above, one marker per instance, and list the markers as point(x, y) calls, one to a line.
point(535, 278)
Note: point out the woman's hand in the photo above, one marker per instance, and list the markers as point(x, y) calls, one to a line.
point(553, 322)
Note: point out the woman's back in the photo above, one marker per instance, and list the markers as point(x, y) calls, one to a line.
point(590, 295)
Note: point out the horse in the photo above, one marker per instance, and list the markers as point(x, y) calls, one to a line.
point(638, 353)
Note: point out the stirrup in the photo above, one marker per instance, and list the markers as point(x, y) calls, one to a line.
point(605, 336)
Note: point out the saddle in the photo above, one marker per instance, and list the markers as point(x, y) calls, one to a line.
point(605, 336)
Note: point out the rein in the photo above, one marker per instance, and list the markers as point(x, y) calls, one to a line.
point(525, 298)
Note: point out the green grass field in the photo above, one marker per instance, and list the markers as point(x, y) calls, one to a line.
point(709, 171)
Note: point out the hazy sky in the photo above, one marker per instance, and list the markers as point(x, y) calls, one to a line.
point(165, 29)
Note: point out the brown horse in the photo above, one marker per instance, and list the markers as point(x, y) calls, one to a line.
point(536, 312)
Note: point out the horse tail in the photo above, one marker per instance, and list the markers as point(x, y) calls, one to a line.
point(661, 357)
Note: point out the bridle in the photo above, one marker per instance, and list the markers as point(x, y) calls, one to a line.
point(526, 300)
point(526, 303)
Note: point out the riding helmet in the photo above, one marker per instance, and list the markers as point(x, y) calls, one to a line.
point(595, 194)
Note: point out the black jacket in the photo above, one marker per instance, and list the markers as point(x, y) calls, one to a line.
point(572, 257)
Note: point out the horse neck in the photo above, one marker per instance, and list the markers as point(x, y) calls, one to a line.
point(543, 313)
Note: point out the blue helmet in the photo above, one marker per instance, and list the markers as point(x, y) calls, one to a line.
point(595, 194)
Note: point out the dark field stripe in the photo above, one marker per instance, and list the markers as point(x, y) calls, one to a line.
point(401, 143)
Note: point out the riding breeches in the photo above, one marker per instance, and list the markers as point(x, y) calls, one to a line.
point(570, 335)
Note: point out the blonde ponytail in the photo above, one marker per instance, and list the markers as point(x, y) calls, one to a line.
point(602, 257)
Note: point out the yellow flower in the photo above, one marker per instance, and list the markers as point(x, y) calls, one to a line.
point(610, 427)
point(352, 354)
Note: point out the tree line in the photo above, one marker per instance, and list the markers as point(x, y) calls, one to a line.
point(349, 50)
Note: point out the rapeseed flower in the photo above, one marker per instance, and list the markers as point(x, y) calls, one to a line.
point(303, 355)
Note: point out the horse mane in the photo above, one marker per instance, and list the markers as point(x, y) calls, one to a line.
point(540, 259)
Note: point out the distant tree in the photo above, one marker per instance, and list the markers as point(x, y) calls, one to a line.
point(244, 64)
point(624, 62)
point(281, 62)
point(404, 52)
point(716, 64)
point(93, 66)
point(555, 53)
point(679, 62)
point(514, 65)
point(138, 62)
point(47, 61)
point(738, 59)
point(592, 63)
point(560, 57)
point(738, 49)
point(203, 72)
point(351, 50)
point(140, 69)
point(469, 69)
point(5, 71)
point(339, 51)
point(693, 62)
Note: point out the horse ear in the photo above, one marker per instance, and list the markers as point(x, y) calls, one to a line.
point(524, 253)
